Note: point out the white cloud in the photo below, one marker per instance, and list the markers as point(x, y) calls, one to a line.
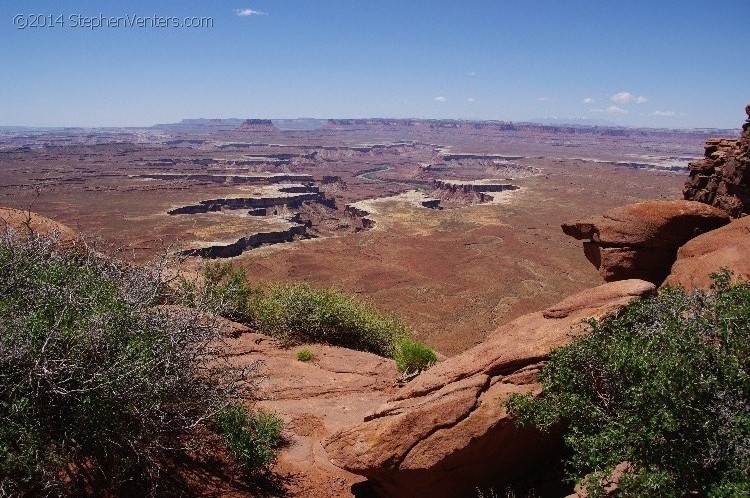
point(470, 100)
point(613, 109)
point(440, 98)
point(544, 99)
point(627, 98)
point(247, 12)
point(588, 100)
point(471, 73)
point(663, 113)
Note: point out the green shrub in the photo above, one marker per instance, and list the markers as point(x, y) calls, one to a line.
point(298, 313)
point(664, 386)
point(413, 357)
point(302, 313)
point(304, 354)
point(251, 439)
point(97, 386)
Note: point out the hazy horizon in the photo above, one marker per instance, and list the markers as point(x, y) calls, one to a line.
point(537, 121)
point(135, 64)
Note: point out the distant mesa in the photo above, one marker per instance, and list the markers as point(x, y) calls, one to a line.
point(295, 230)
point(257, 125)
point(575, 121)
point(300, 124)
point(212, 122)
point(197, 124)
point(477, 191)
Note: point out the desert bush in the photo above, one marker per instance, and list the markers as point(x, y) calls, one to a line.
point(413, 357)
point(304, 354)
point(664, 386)
point(302, 313)
point(299, 313)
point(99, 388)
point(250, 438)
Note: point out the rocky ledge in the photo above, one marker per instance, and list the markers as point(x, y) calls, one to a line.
point(289, 195)
point(448, 431)
point(641, 240)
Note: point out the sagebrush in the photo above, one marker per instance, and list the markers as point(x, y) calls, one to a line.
point(303, 313)
point(100, 387)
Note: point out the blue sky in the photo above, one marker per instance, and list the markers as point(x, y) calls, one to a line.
point(647, 63)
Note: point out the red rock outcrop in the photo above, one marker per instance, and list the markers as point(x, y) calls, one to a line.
point(726, 247)
point(722, 177)
point(641, 240)
point(448, 431)
point(21, 221)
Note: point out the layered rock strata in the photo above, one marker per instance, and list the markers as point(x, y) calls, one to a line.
point(722, 177)
point(294, 231)
point(293, 200)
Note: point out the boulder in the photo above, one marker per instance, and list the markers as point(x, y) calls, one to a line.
point(727, 247)
point(641, 240)
point(448, 431)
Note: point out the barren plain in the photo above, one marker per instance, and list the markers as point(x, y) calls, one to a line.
point(452, 225)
